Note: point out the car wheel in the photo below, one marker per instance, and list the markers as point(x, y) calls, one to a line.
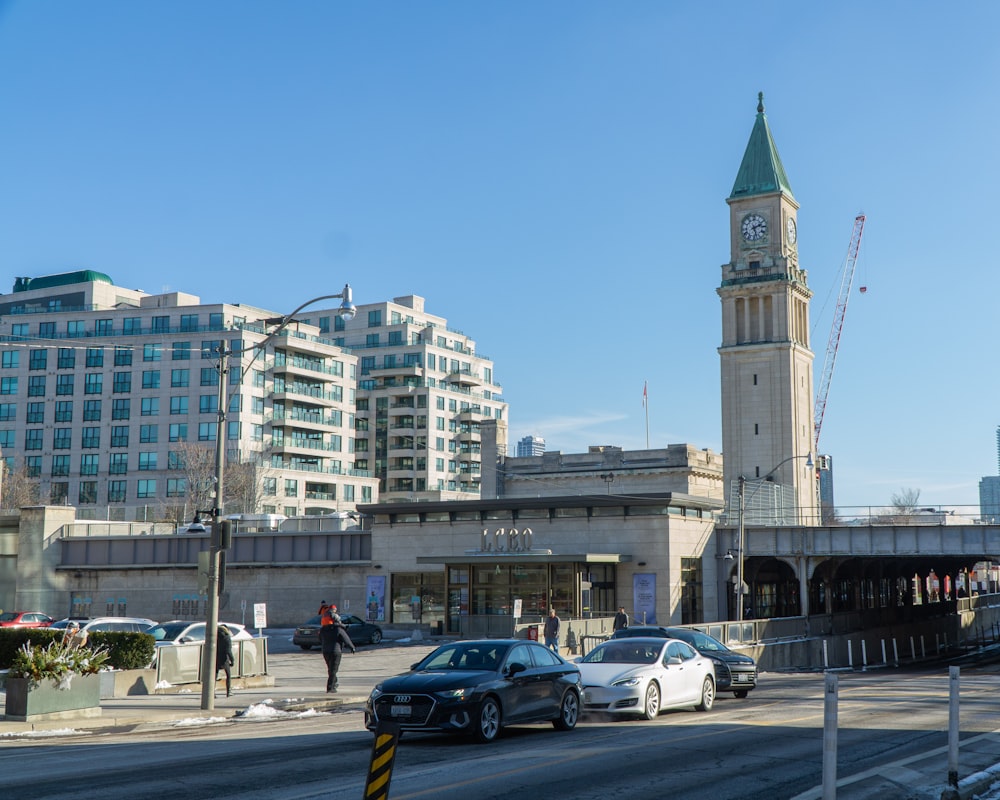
point(487, 721)
point(741, 694)
point(569, 712)
point(651, 708)
point(707, 696)
point(376, 637)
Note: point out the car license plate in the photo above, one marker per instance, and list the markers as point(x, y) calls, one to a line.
point(740, 678)
point(400, 711)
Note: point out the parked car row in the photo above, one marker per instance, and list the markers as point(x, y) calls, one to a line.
point(306, 635)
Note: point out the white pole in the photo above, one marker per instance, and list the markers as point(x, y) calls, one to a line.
point(953, 676)
point(830, 737)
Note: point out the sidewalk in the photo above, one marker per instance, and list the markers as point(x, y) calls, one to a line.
point(296, 682)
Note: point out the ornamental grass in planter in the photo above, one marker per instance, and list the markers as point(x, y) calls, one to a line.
point(56, 662)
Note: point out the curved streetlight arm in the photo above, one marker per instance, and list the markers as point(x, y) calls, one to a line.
point(347, 310)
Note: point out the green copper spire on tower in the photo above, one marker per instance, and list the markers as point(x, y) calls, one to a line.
point(761, 171)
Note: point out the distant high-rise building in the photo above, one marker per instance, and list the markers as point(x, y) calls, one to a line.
point(989, 499)
point(531, 446)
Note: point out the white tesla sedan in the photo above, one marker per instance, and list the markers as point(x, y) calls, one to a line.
point(645, 676)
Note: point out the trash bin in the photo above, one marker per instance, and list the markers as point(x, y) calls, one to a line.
point(533, 633)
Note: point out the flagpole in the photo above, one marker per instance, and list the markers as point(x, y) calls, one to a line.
point(645, 403)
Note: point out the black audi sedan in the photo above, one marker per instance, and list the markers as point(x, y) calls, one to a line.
point(477, 688)
point(734, 672)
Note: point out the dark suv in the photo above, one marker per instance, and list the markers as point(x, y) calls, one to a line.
point(733, 672)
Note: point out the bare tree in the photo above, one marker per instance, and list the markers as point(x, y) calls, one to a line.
point(904, 505)
point(18, 487)
point(244, 483)
point(198, 464)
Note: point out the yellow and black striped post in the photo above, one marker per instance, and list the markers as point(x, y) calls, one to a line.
point(383, 757)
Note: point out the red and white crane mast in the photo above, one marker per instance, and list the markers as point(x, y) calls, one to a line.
point(846, 281)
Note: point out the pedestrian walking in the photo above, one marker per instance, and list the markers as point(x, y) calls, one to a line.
point(551, 630)
point(328, 615)
point(621, 619)
point(224, 656)
point(333, 639)
point(75, 636)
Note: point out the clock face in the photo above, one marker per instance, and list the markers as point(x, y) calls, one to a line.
point(790, 230)
point(753, 227)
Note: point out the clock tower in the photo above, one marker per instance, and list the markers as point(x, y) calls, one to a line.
point(767, 379)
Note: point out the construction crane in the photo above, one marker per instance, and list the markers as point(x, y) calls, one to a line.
point(847, 279)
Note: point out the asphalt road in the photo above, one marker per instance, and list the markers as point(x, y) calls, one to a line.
point(768, 746)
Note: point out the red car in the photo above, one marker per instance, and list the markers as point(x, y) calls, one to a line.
point(25, 619)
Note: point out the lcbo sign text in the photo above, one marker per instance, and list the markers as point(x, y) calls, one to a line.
point(505, 540)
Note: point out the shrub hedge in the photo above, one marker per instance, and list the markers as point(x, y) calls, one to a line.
point(125, 650)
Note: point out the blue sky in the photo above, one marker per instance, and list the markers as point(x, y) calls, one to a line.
point(552, 177)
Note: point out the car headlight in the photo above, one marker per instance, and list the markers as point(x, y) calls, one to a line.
point(627, 682)
point(454, 694)
point(376, 692)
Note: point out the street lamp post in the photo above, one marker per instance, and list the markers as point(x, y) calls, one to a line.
point(741, 525)
point(217, 543)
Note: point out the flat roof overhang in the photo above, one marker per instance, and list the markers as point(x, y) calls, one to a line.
point(536, 557)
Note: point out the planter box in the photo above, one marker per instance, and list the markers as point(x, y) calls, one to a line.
point(26, 703)
point(126, 682)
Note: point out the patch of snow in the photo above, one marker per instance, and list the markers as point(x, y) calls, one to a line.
point(190, 722)
point(38, 734)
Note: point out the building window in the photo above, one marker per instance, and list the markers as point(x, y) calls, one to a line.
point(180, 377)
point(375, 318)
point(8, 412)
point(62, 439)
point(123, 357)
point(178, 405)
point(209, 376)
point(206, 431)
point(175, 460)
point(210, 348)
point(64, 410)
point(119, 464)
point(149, 434)
point(122, 383)
point(33, 466)
point(161, 324)
point(208, 404)
point(147, 462)
point(59, 494)
point(151, 379)
point(7, 440)
point(120, 408)
point(178, 432)
point(8, 385)
point(38, 359)
point(181, 351)
point(75, 327)
point(60, 466)
point(91, 438)
point(64, 384)
point(176, 487)
point(119, 436)
point(116, 491)
point(91, 410)
point(150, 407)
point(95, 357)
point(67, 358)
point(11, 359)
point(89, 463)
point(215, 321)
point(93, 383)
point(132, 326)
point(291, 487)
point(88, 492)
point(270, 487)
point(36, 386)
point(189, 322)
point(36, 413)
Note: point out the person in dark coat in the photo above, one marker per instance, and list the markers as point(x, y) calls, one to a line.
point(333, 639)
point(621, 619)
point(224, 656)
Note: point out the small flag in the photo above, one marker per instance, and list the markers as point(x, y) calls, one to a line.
point(645, 396)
